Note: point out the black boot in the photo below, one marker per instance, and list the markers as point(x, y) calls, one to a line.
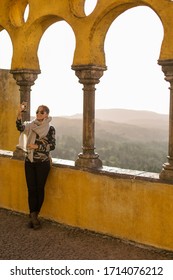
point(34, 222)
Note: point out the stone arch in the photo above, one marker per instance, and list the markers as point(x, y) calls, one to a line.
point(30, 37)
point(43, 25)
point(132, 74)
point(103, 16)
point(57, 67)
point(125, 53)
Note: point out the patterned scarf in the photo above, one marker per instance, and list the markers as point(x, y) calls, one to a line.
point(28, 136)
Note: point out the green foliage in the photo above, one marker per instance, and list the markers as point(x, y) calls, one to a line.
point(147, 156)
point(124, 145)
point(68, 147)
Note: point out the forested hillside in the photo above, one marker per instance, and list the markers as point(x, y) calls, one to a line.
point(124, 138)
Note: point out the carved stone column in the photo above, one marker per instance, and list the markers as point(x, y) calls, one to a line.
point(167, 168)
point(25, 78)
point(89, 76)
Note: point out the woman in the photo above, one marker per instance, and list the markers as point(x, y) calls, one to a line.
point(37, 140)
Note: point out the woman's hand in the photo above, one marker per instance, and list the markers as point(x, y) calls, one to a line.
point(32, 146)
point(19, 112)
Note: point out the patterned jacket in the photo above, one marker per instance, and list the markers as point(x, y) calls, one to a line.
point(45, 144)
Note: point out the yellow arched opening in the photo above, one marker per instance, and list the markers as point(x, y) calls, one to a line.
point(134, 81)
point(57, 80)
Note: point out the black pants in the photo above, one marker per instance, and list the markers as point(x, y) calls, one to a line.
point(36, 175)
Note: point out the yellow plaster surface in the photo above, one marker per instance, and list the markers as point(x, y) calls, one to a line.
point(132, 209)
point(9, 102)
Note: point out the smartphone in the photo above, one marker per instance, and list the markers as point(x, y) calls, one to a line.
point(24, 106)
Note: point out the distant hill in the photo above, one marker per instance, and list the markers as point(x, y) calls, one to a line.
point(124, 138)
point(67, 126)
point(140, 118)
point(127, 125)
point(112, 130)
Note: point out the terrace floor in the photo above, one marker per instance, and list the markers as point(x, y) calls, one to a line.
point(59, 242)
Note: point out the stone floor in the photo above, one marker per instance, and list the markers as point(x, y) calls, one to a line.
point(58, 242)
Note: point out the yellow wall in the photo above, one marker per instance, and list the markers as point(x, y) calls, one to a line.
point(9, 102)
point(133, 209)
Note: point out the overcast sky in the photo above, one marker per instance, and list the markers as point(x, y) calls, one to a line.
point(133, 80)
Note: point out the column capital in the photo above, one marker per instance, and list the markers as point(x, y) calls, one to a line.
point(165, 62)
point(167, 68)
point(89, 74)
point(25, 77)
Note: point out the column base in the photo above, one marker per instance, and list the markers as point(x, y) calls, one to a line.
point(166, 172)
point(18, 154)
point(88, 161)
